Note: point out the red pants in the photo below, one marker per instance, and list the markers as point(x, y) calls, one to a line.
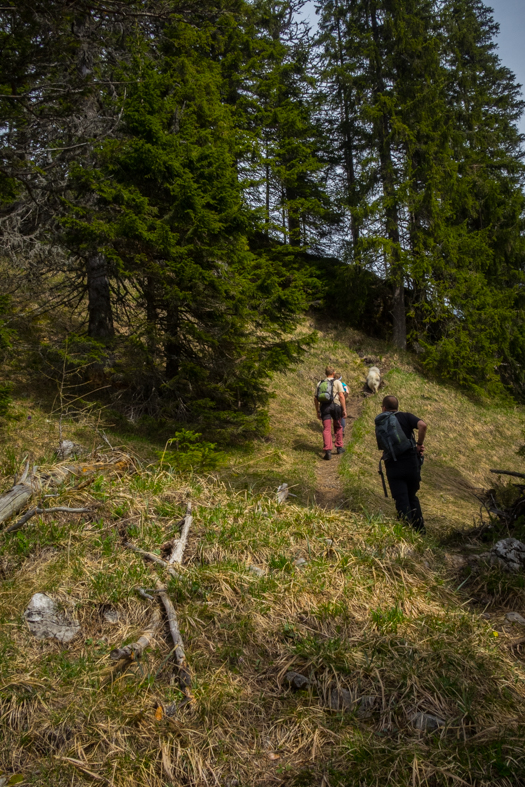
point(327, 430)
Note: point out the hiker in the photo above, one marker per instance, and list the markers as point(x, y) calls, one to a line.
point(330, 406)
point(403, 457)
point(345, 392)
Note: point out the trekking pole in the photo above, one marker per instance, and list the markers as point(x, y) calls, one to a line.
point(380, 471)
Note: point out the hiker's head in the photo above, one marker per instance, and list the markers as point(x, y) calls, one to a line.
point(329, 371)
point(390, 403)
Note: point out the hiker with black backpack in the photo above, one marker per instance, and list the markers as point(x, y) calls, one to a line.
point(330, 405)
point(403, 457)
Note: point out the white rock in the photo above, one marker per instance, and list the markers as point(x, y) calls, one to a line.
point(509, 553)
point(257, 571)
point(47, 621)
point(68, 448)
point(282, 493)
point(426, 722)
point(515, 617)
point(111, 616)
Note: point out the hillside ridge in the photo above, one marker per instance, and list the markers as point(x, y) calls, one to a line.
point(325, 644)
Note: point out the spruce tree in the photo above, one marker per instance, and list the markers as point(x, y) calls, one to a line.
point(208, 315)
point(478, 276)
point(287, 158)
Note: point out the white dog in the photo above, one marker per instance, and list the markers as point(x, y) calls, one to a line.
point(373, 379)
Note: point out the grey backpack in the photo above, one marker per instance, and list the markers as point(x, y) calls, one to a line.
point(390, 437)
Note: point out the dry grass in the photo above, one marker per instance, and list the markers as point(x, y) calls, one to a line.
point(465, 440)
point(375, 611)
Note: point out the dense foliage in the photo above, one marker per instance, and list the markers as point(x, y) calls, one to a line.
point(175, 176)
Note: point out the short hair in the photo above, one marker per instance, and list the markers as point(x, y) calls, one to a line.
point(329, 371)
point(390, 403)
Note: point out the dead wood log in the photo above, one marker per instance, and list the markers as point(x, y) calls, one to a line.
point(180, 545)
point(18, 496)
point(508, 472)
point(136, 649)
point(32, 511)
point(154, 558)
point(180, 656)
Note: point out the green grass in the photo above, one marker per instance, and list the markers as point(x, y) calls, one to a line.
point(375, 611)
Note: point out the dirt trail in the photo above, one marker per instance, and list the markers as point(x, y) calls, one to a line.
point(329, 491)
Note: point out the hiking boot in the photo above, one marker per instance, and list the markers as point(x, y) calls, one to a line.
point(327, 455)
point(340, 450)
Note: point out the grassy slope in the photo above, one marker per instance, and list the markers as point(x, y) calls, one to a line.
point(465, 440)
point(375, 610)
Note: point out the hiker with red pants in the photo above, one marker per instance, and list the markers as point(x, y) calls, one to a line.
point(330, 406)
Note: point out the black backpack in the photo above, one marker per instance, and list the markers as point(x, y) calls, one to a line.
point(391, 438)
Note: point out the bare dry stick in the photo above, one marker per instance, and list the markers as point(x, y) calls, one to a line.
point(180, 545)
point(136, 649)
point(180, 656)
point(143, 594)
point(154, 558)
point(32, 511)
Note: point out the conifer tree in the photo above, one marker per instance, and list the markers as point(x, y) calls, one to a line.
point(208, 315)
point(288, 162)
point(478, 277)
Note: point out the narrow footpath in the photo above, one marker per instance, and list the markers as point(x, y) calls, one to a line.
point(329, 490)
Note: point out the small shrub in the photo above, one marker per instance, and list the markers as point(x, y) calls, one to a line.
point(191, 452)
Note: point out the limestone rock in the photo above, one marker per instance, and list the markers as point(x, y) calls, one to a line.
point(68, 448)
point(509, 553)
point(515, 617)
point(111, 615)
point(366, 706)
point(47, 621)
point(426, 722)
point(340, 699)
point(296, 681)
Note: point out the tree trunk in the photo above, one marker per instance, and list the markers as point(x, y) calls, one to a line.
point(387, 174)
point(348, 146)
point(294, 219)
point(99, 299)
point(14, 500)
point(172, 347)
point(151, 318)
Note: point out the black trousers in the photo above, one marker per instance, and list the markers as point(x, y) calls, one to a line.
point(404, 477)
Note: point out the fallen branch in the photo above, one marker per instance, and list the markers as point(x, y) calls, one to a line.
point(154, 558)
point(18, 496)
point(32, 511)
point(146, 596)
point(180, 656)
point(180, 545)
point(136, 649)
point(508, 472)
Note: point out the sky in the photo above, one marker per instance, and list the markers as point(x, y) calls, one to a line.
point(510, 15)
